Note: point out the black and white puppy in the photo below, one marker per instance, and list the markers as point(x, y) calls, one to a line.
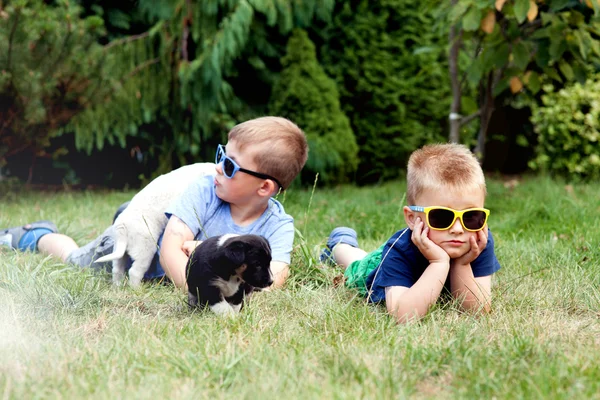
point(223, 270)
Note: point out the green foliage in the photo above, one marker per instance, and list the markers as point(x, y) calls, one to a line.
point(567, 124)
point(518, 40)
point(51, 68)
point(512, 45)
point(393, 81)
point(140, 92)
point(181, 74)
point(307, 96)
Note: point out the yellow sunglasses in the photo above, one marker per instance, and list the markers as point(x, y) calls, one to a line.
point(442, 218)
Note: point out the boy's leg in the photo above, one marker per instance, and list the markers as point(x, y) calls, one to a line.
point(342, 247)
point(86, 255)
point(57, 244)
point(42, 236)
point(345, 254)
point(26, 237)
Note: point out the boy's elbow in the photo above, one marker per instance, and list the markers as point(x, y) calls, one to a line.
point(407, 318)
point(162, 260)
point(484, 308)
point(404, 316)
point(476, 306)
point(280, 272)
point(173, 266)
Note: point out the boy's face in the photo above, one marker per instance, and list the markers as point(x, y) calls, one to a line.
point(242, 188)
point(454, 240)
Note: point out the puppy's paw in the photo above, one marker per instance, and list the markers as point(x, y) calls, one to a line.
point(236, 308)
point(223, 309)
point(192, 300)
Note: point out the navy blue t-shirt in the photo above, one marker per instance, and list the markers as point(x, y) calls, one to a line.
point(403, 264)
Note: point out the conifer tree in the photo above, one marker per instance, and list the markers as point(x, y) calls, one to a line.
point(393, 87)
point(178, 75)
point(185, 67)
point(306, 95)
point(51, 68)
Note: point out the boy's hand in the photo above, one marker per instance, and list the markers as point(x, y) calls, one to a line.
point(189, 246)
point(477, 246)
point(431, 251)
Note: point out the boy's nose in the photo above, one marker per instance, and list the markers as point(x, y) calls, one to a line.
point(218, 168)
point(456, 227)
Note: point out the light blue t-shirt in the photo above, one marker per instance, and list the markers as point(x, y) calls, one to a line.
point(207, 215)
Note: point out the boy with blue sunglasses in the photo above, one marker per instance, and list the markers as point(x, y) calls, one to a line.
point(447, 244)
point(262, 158)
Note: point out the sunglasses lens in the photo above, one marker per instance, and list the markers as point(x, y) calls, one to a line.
point(228, 167)
point(474, 220)
point(440, 218)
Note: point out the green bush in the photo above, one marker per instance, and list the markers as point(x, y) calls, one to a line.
point(567, 126)
point(51, 70)
point(307, 96)
point(392, 77)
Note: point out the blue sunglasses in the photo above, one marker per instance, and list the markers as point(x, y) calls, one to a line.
point(230, 167)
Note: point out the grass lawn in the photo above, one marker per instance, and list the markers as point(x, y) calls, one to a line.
point(67, 333)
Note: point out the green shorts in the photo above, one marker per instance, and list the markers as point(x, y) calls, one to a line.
point(357, 272)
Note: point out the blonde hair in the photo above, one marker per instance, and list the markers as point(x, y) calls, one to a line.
point(440, 166)
point(284, 150)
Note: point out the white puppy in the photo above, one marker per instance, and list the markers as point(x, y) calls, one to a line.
point(138, 227)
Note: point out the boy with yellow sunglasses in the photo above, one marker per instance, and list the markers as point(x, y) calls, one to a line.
point(447, 242)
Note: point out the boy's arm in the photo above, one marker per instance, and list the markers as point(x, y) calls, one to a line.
point(173, 259)
point(281, 240)
point(280, 271)
point(474, 292)
point(406, 304)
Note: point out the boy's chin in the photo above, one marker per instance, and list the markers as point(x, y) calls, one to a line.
point(456, 253)
point(219, 192)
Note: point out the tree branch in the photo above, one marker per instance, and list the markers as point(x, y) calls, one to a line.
point(463, 79)
point(60, 56)
point(455, 39)
point(533, 25)
point(7, 121)
point(10, 39)
point(133, 72)
point(128, 39)
point(139, 68)
point(187, 20)
point(469, 118)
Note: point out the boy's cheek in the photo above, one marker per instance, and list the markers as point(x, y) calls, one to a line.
point(476, 236)
point(435, 236)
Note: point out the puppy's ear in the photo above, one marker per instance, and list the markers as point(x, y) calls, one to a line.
point(235, 252)
point(266, 245)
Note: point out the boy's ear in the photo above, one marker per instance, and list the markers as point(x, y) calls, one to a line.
point(268, 188)
point(409, 217)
